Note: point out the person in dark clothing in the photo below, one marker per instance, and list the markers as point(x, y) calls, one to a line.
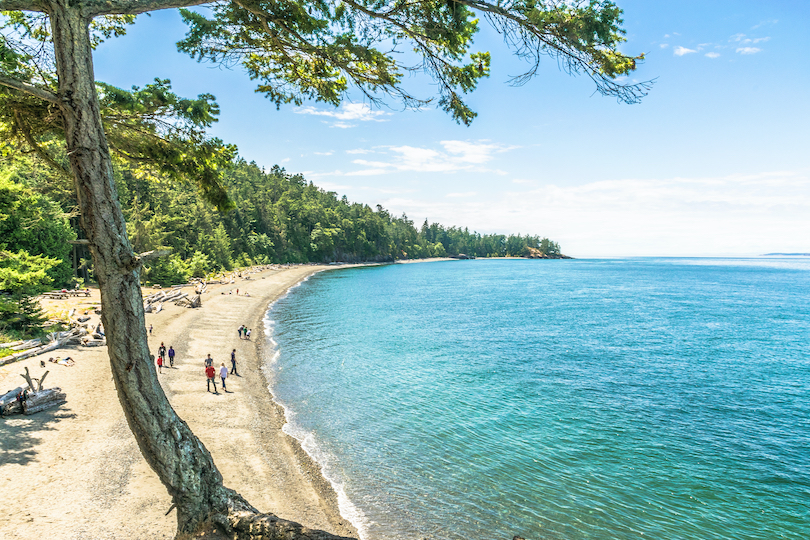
point(233, 363)
point(171, 356)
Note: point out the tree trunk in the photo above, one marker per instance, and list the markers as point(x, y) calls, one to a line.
point(181, 461)
point(178, 457)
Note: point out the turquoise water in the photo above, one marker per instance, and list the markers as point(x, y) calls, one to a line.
point(635, 398)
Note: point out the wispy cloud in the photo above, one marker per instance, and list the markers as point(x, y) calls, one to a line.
point(675, 216)
point(770, 22)
point(451, 156)
point(346, 114)
point(329, 153)
point(680, 51)
point(462, 195)
point(744, 43)
point(713, 55)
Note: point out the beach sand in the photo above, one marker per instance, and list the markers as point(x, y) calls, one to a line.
point(76, 472)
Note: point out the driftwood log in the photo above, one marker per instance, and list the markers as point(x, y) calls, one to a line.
point(9, 403)
point(43, 400)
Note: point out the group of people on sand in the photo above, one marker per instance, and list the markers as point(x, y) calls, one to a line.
point(244, 332)
point(165, 356)
point(211, 372)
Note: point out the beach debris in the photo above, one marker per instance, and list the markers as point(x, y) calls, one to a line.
point(9, 404)
point(32, 399)
point(190, 302)
point(55, 340)
point(43, 400)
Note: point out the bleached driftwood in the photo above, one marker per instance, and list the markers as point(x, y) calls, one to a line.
point(23, 345)
point(192, 302)
point(8, 399)
point(59, 339)
point(43, 400)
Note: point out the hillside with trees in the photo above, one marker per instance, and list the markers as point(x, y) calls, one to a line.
point(275, 217)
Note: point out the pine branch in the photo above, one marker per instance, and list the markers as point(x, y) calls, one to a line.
point(27, 88)
point(21, 5)
point(134, 7)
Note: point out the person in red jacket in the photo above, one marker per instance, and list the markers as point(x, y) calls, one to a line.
point(211, 373)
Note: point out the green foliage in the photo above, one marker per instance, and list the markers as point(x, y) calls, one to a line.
point(169, 270)
point(318, 50)
point(20, 317)
point(22, 276)
point(32, 222)
point(198, 265)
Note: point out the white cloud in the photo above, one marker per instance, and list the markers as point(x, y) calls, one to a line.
point(737, 37)
point(329, 153)
point(748, 50)
point(329, 186)
point(734, 214)
point(680, 51)
point(358, 151)
point(346, 113)
point(713, 55)
point(453, 156)
point(664, 45)
point(462, 195)
point(765, 23)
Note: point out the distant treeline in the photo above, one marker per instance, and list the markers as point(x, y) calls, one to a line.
point(278, 218)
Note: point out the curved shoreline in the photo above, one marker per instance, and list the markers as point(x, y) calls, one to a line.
point(78, 470)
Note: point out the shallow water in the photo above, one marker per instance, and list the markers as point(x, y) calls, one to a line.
point(626, 398)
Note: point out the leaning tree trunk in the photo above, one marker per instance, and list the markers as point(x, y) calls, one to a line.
point(181, 461)
point(178, 457)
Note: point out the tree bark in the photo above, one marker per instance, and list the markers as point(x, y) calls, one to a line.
point(181, 461)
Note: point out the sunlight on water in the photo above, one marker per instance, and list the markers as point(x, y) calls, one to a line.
point(668, 398)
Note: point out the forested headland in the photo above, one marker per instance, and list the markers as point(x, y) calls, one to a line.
point(276, 217)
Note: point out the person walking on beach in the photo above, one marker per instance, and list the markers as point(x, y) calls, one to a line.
point(233, 362)
point(162, 350)
point(150, 329)
point(247, 333)
point(223, 374)
point(160, 364)
point(210, 373)
point(241, 328)
point(209, 362)
point(171, 356)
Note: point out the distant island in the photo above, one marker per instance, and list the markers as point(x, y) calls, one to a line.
point(786, 255)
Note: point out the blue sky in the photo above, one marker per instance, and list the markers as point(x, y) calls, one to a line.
point(715, 160)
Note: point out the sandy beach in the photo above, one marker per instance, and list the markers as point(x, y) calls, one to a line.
point(76, 472)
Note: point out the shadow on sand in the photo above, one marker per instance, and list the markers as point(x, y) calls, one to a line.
point(19, 434)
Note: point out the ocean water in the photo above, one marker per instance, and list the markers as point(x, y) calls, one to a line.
point(598, 399)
